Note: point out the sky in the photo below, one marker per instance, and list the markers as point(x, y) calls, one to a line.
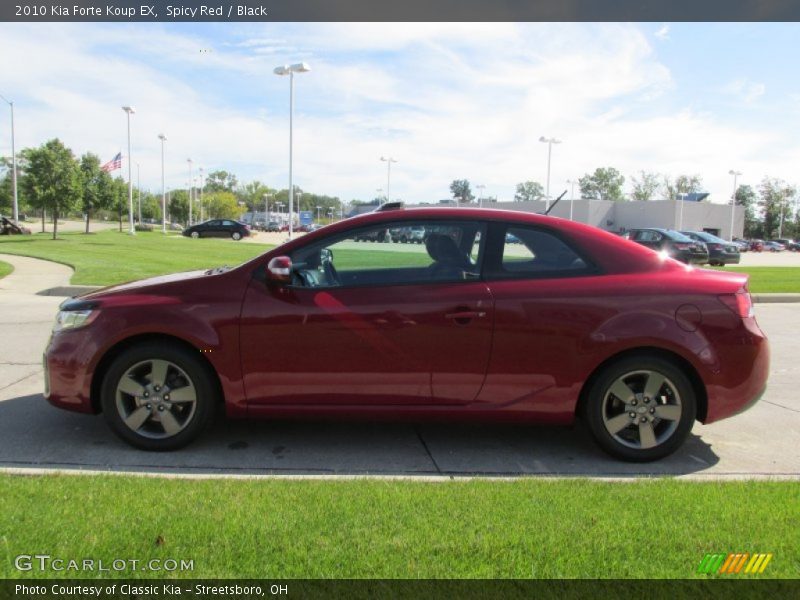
point(447, 101)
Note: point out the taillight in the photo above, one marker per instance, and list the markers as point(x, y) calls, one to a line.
point(740, 303)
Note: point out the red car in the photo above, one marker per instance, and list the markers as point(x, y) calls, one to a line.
point(568, 322)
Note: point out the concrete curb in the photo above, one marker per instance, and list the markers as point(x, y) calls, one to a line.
point(775, 298)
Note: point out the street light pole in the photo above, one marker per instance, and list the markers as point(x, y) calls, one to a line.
point(163, 139)
point(139, 194)
point(191, 190)
point(572, 183)
point(202, 185)
point(13, 163)
point(480, 187)
point(130, 111)
point(388, 162)
point(733, 199)
point(549, 142)
point(290, 70)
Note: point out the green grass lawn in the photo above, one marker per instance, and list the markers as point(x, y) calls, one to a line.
point(771, 279)
point(109, 257)
point(400, 529)
point(5, 269)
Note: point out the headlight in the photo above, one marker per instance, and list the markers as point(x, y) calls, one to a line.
point(71, 319)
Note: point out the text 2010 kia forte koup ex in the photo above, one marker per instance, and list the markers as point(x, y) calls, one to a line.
point(497, 316)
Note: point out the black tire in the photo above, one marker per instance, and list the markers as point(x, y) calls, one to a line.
point(195, 235)
point(236, 236)
point(673, 432)
point(147, 437)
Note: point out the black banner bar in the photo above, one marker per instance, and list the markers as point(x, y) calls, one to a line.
point(506, 589)
point(398, 10)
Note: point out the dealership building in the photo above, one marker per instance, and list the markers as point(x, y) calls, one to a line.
point(694, 213)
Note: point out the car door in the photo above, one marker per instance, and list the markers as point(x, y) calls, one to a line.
point(214, 228)
point(543, 311)
point(371, 324)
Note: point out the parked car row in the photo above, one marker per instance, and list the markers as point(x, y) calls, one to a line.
point(691, 247)
point(758, 245)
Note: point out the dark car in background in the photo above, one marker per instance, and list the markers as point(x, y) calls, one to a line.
point(720, 252)
point(757, 245)
point(408, 235)
point(221, 228)
point(673, 243)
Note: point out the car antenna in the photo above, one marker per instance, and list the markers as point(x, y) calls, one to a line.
point(547, 212)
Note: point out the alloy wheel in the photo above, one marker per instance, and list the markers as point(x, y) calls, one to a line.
point(642, 409)
point(156, 399)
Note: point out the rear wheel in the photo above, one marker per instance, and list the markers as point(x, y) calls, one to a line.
point(236, 235)
point(158, 396)
point(641, 409)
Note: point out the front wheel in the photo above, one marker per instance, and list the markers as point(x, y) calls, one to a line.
point(641, 409)
point(195, 235)
point(158, 397)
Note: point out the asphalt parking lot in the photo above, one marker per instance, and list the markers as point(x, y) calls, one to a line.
point(35, 436)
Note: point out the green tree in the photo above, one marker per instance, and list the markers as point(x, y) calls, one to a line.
point(179, 206)
point(6, 187)
point(688, 184)
point(118, 197)
point(222, 205)
point(646, 186)
point(220, 181)
point(746, 197)
point(604, 184)
point(95, 185)
point(252, 194)
point(461, 191)
point(52, 179)
point(529, 190)
point(775, 196)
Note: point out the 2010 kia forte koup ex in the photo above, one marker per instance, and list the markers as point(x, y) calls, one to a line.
point(498, 316)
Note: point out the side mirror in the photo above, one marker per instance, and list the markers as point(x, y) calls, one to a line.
point(279, 269)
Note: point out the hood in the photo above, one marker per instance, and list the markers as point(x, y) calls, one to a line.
point(146, 284)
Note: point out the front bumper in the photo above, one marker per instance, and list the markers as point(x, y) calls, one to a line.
point(68, 370)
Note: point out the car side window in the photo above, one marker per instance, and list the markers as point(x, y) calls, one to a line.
point(534, 252)
point(228, 223)
point(384, 255)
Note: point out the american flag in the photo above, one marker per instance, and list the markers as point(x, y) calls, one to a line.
point(114, 164)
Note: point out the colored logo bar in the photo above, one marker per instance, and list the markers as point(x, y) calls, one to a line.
point(734, 563)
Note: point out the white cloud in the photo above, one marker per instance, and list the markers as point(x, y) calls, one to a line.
point(747, 91)
point(663, 32)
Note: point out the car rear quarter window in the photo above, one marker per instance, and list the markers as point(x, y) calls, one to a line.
point(534, 252)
